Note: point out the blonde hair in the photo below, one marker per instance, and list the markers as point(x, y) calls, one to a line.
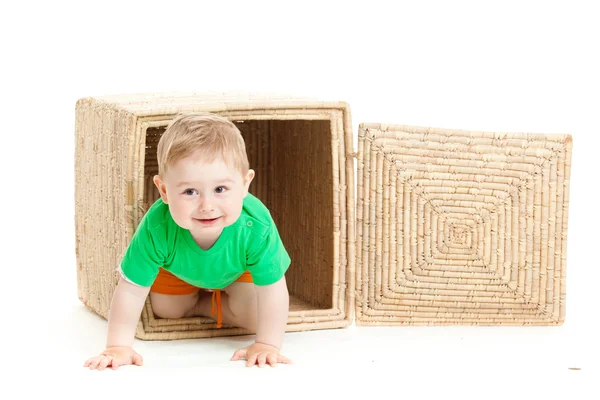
point(209, 134)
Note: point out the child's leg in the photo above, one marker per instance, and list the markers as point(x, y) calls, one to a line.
point(171, 297)
point(238, 305)
point(173, 305)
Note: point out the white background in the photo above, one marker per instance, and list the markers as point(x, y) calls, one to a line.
point(498, 66)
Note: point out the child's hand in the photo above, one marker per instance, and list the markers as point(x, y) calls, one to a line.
point(114, 356)
point(261, 354)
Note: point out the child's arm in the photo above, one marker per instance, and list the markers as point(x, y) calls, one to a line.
point(125, 309)
point(272, 309)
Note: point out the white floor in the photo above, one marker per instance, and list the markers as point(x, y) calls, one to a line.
point(390, 362)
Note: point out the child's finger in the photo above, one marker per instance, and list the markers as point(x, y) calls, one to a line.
point(283, 359)
point(104, 362)
point(261, 360)
point(94, 363)
point(115, 364)
point(137, 359)
point(272, 360)
point(241, 353)
point(90, 362)
point(250, 360)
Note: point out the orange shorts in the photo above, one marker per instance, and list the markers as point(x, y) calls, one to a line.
point(167, 283)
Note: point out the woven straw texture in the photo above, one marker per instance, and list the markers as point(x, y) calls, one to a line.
point(298, 150)
point(459, 227)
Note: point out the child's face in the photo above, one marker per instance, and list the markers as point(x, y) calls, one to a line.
point(203, 197)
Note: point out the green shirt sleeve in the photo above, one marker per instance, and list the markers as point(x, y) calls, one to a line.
point(143, 256)
point(268, 260)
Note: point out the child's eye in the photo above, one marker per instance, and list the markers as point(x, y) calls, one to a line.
point(220, 189)
point(190, 192)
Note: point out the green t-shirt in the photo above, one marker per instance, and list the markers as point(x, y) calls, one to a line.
point(251, 244)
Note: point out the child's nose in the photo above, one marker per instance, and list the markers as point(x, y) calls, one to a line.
point(205, 204)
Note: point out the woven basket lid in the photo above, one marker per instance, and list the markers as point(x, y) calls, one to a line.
point(461, 227)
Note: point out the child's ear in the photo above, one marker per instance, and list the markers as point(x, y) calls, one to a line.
point(162, 189)
point(248, 180)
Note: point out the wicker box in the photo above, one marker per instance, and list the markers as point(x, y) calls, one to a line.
point(449, 226)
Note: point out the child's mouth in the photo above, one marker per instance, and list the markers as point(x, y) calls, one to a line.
point(208, 221)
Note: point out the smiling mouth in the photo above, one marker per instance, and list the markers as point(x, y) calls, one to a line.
point(207, 220)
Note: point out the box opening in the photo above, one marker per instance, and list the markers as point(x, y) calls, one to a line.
point(293, 164)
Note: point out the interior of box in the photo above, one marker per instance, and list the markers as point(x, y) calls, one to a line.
point(293, 164)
